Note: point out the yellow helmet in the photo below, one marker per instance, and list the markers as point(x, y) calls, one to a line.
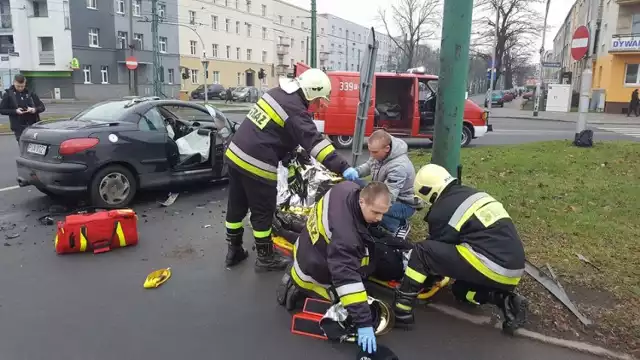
point(431, 179)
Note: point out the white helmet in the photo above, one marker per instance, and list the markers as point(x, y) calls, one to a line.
point(313, 82)
point(431, 179)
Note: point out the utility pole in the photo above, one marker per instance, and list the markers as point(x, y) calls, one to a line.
point(314, 35)
point(587, 75)
point(157, 84)
point(536, 104)
point(133, 86)
point(492, 73)
point(454, 66)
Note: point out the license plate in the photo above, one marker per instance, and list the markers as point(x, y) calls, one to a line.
point(37, 149)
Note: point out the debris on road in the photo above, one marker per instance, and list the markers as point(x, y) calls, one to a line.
point(157, 278)
point(584, 259)
point(7, 244)
point(206, 226)
point(552, 286)
point(11, 236)
point(170, 199)
point(46, 220)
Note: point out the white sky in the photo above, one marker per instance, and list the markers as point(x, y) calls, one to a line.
point(365, 12)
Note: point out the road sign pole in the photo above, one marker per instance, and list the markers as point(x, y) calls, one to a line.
point(492, 75)
point(587, 76)
point(314, 35)
point(454, 68)
point(536, 104)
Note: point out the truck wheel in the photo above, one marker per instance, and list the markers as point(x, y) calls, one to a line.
point(113, 187)
point(467, 135)
point(343, 141)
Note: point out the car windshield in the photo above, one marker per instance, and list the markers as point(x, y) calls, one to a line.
point(108, 111)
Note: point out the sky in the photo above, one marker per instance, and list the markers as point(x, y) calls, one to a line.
point(365, 12)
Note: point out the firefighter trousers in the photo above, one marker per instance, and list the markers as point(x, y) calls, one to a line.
point(431, 260)
point(247, 193)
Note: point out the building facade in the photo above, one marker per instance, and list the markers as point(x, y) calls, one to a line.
point(35, 40)
point(292, 33)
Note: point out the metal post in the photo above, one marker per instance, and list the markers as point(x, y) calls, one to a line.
point(493, 74)
point(314, 35)
point(536, 104)
point(133, 88)
point(205, 66)
point(454, 66)
point(587, 76)
point(366, 79)
point(157, 84)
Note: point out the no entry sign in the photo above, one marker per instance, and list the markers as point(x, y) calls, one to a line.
point(131, 63)
point(580, 43)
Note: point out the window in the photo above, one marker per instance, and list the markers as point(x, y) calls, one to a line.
point(92, 4)
point(321, 31)
point(635, 23)
point(333, 29)
point(120, 6)
point(238, 78)
point(192, 17)
point(104, 74)
point(226, 2)
point(214, 22)
point(214, 50)
point(248, 54)
point(237, 27)
point(228, 52)
point(94, 37)
point(321, 48)
point(152, 120)
point(237, 4)
point(162, 11)
point(248, 30)
point(172, 76)
point(359, 37)
point(264, 56)
point(137, 7)
point(293, 42)
point(292, 63)
point(194, 76)
point(192, 47)
point(216, 77)
point(86, 71)
point(249, 6)
point(302, 45)
point(237, 53)
point(227, 25)
point(264, 10)
point(139, 41)
point(280, 19)
point(123, 40)
point(293, 22)
point(162, 43)
point(264, 32)
point(631, 74)
point(302, 24)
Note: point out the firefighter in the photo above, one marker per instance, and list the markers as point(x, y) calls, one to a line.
point(331, 256)
point(275, 126)
point(473, 240)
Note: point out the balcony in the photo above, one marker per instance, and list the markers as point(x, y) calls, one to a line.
point(47, 58)
point(5, 24)
point(282, 49)
point(628, 2)
point(625, 43)
point(324, 56)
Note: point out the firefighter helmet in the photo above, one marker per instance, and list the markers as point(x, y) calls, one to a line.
point(430, 181)
point(313, 82)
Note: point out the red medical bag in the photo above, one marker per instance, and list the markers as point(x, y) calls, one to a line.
point(98, 231)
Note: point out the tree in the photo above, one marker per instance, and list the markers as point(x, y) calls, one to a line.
point(416, 21)
point(519, 26)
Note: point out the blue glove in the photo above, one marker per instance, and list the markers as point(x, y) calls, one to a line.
point(367, 339)
point(350, 174)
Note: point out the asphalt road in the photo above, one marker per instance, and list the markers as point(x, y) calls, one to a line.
point(94, 307)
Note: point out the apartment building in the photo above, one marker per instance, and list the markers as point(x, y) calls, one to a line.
point(236, 37)
point(101, 38)
point(35, 40)
point(292, 31)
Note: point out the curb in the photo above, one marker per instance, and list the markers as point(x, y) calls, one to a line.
point(532, 335)
point(562, 120)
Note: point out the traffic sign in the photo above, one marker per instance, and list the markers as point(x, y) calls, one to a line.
point(75, 64)
point(580, 43)
point(131, 63)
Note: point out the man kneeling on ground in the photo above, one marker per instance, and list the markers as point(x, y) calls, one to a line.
point(473, 240)
point(331, 256)
point(390, 164)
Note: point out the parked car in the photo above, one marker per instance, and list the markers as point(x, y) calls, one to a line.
point(527, 95)
point(114, 148)
point(245, 93)
point(216, 91)
point(497, 98)
point(507, 96)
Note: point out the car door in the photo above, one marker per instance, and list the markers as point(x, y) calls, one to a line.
point(152, 147)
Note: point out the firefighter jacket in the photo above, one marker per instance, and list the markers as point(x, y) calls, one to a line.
point(331, 256)
point(275, 126)
point(482, 231)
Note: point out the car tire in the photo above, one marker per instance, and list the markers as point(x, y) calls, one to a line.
point(342, 142)
point(119, 175)
point(467, 135)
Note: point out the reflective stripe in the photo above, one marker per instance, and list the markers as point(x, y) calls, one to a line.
point(233, 226)
point(251, 164)
point(275, 106)
point(467, 208)
point(471, 297)
point(356, 298)
point(83, 241)
point(350, 289)
point(325, 152)
point(414, 275)
point(270, 112)
point(403, 307)
point(322, 149)
point(364, 261)
point(489, 268)
point(261, 234)
point(305, 281)
point(319, 218)
point(325, 215)
point(121, 239)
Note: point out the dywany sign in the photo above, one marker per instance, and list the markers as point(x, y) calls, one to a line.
point(625, 43)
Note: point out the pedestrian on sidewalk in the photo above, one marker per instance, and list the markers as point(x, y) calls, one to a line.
point(633, 104)
point(228, 96)
point(21, 106)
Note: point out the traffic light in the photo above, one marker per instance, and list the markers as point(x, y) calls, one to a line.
point(261, 74)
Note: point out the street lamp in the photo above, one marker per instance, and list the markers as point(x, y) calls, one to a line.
point(205, 66)
point(492, 74)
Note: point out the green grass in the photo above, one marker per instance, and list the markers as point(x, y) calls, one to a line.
point(566, 200)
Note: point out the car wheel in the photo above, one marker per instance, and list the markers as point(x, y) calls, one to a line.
point(113, 187)
point(343, 141)
point(467, 135)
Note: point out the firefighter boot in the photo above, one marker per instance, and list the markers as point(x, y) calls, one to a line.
point(288, 293)
point(514, 309)
point(403, 303)
point(268, 259)
point(235, 252)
